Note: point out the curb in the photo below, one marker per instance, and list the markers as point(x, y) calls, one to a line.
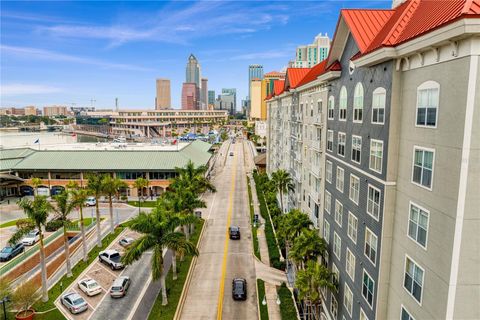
point(186, 285)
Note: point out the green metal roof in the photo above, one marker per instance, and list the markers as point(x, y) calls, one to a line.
point(113, 160)
point(10, 157)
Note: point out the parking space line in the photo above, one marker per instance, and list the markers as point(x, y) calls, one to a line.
point(108, 270)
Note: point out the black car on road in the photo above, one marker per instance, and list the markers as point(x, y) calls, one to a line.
point(234, 232)
point(239, 289)
point(9, 252)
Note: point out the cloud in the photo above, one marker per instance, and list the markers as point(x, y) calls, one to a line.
point(41, 54)
point(22, 89)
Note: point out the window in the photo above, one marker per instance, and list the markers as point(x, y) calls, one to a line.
point(342, 104)
point(330, 140)
point(334, 307)
point(329, 169)
point(338, 213)
point(352, 227)
point(337, 245)
point(348, 299)
point(331, 107)
point(319, 106)
point(336, 274)
point(356, 148)
point(326, 231)
point(413, 280)
point(427, 104)
point(363, 316)
point(370, 245)
point(378, 105)
point(350, 264)
point(354, 193)
point(418, 225)
point(358, 103)
point(328, 201)
point(405, 315)
point(368, 288)
point(340, 179)
point(376, 155)
point(423, 167)
point(373, 202)
point(341, 144)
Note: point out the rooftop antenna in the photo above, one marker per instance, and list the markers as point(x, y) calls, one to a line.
point(116, 104)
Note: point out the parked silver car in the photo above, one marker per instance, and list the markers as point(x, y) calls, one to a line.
point(120, 287)
point(74, 302)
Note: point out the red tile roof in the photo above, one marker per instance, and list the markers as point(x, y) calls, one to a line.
point(278, 86)
point(313, 74)
point(294, 76)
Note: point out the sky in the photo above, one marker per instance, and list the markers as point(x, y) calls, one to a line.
point(91, 52)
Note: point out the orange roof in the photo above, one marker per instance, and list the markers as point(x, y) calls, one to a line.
point(365, 24)
point(278, 86)
point(313, 73)
point(294, 76)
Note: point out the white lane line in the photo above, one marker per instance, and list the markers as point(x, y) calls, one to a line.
point(211, 206)
point(140, 297)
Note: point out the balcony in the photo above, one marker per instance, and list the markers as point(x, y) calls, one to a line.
point(316, 144)
point(317, 119)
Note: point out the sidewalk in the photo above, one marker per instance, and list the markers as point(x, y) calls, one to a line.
point(272, 277)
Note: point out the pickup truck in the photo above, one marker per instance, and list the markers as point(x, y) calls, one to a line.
point(111, 258)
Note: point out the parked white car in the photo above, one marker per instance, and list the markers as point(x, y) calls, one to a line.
point(89, 286)
point(90, 202)
point(31, 238)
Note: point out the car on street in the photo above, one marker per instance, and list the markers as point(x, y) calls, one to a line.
point(126, 242)
point(234, 232)
point(74, 302)
point(239, 289)
point(120, 287)
point(89, 286)
point(111, 258)
point(90, 202)
point(31, 238)
point(231, 153)
point(10, 252)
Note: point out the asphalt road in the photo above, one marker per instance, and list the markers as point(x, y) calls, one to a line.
point(209, 295)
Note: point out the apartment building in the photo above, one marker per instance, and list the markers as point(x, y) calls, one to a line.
point(402, 161)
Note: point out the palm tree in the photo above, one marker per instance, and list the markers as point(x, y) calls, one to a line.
point(140, 183)
point(37, 212)
point(283, 183)
point(36, 182)
point(79, 196)
point(310, 282)
point(193, 178)
point(111, 187)
point(307, 246)
point(95, 188)
point(158, 229)
point(64, 206)
point(290, 225)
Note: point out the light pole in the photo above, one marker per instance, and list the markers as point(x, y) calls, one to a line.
point(4, 302)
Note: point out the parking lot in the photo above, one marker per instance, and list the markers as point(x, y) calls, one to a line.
point(104, 277)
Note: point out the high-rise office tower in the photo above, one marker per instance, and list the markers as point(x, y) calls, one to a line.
point(204, 94)
point(189, 96)
point(211, 96)
point(193, 71)
point(309, 55)
point(163, 100)
point(233, 92)
point(255, 71)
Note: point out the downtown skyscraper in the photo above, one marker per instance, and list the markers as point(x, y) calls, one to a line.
point(191, 86)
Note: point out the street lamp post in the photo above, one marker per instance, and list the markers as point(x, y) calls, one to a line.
point(4, 302)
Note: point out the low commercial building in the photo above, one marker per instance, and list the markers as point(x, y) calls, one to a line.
point(55, 111)
point(57, 165)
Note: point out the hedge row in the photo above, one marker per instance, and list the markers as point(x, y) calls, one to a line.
point(287, 306)
point(256, 249)
point(261, 296)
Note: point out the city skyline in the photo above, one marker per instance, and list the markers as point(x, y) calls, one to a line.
point(84, 59)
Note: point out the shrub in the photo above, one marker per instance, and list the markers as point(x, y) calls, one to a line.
point(287, 306)
point(24, 223)
point(53, 225)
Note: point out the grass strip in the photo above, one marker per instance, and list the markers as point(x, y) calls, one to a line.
point(256, 248)
point(144, 204)
point(9, 223)
point(175, 287)
point(261, 296)
point(287, 306)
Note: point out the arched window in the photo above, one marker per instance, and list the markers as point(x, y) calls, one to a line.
point(331, 107)
point(358, 103)
point(427, 104)
point(378, 105)
point(342, 104)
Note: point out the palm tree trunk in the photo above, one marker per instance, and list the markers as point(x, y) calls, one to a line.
point(111, 213)
point(43, 268)
point(186, 231)
point(99, 231)
point(84, 241)
point(281, 200)
point(164, 290)
point(67, 252)
point(174, 264)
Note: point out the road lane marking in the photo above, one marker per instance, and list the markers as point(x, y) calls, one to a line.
point(140, 297)
point(227, 238)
